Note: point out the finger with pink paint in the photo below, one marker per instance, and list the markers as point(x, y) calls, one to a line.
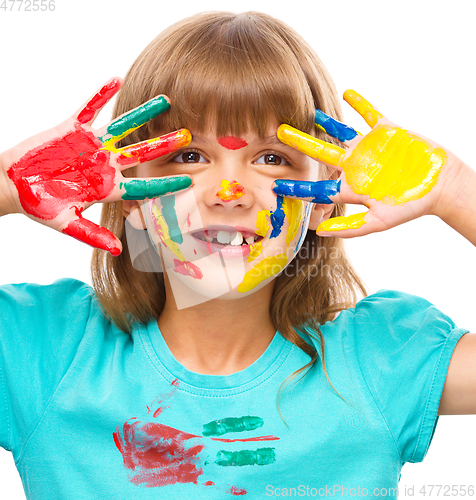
point(396, 174)
point(54, 176)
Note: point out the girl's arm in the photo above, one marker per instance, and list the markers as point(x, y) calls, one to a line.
point(457, 204)
point(399, 176)
point(54, 176)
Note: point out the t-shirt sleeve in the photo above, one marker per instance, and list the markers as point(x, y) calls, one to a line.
point(403, 346)
point(38, 341)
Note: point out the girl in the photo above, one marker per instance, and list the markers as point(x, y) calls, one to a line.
point(222, 373)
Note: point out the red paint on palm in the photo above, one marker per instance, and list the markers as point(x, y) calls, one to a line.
point(157, 454)
point(99, 100)
point(62, 172)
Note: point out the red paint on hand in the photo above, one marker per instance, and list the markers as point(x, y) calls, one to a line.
point(63, 172)
point(231, 142)
point(99, 100)
point(208, 483)
point(94, 235)
point(149, 150)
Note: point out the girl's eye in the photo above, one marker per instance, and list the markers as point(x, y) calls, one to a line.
point(271, 159)
point(190, 157)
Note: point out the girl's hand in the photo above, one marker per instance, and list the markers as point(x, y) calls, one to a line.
point(55, 175)
point(398, 175)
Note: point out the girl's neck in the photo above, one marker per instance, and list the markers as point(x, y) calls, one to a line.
point(219, 337)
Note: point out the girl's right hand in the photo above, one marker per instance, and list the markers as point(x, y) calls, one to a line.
point(55, 175)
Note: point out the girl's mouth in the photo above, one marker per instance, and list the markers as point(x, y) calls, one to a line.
point(230, 241)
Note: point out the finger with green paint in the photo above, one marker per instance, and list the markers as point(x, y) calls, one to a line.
point(55, 175)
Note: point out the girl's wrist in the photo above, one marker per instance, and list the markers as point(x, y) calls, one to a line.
point(456, 203)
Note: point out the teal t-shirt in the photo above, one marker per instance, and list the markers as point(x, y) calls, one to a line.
point(91, 412)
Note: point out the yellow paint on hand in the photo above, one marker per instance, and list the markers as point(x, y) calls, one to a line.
point(310, 146)
point(341, 223)
point(293, 210)
point(270, 266)
point(363, 107)
point(393, 166)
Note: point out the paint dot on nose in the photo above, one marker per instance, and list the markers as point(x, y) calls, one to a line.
point(231, 142)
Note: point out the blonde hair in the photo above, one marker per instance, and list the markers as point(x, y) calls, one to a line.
point(232, 73)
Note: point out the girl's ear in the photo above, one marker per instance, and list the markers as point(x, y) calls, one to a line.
point(320, 213)
point(133, 213)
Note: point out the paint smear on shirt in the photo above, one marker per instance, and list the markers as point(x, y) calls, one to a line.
point(262, 456)
point(232, 424)
point(158, 455)
point(234, 490)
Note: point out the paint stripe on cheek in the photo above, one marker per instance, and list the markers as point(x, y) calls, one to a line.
point(231, 142)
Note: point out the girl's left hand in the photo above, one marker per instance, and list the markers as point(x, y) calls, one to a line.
point(398, 175)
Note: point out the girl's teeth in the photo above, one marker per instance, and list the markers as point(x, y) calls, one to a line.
point(223, 237)
point(250, 240)
point(237, 239)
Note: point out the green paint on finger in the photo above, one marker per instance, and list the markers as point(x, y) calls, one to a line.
point(170, 216)
point(231, 424)
point(262, 456)
point(124, 125)
point(140, 189)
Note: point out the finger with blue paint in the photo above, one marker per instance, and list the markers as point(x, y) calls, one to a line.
point(340, 131)
point(314, 192)
point(395, 173)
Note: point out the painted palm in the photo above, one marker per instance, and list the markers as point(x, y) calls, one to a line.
point(61, 172)
point(390, 170)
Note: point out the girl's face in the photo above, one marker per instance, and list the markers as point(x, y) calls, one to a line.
point(229, 235)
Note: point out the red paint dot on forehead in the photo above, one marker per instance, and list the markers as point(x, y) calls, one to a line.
point(231, 142)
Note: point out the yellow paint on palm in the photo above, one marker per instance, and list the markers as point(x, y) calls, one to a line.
point(163, 232)
point(363, 107)
point(270, 266)
point(293, 210)
point(310, 146)
point(341, 223)
point(393, 166)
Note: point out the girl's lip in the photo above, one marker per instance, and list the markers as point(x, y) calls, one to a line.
point(226, 250)
point(212, 231)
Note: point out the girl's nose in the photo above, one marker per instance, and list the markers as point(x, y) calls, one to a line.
point(230, 191)
point(229, 194)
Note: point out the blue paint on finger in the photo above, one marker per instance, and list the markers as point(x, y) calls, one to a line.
point(315, 192)
point(333, 127)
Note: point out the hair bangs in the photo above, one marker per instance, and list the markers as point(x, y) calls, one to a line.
point(220, 80)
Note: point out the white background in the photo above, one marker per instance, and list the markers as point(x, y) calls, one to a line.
point(413, 59)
